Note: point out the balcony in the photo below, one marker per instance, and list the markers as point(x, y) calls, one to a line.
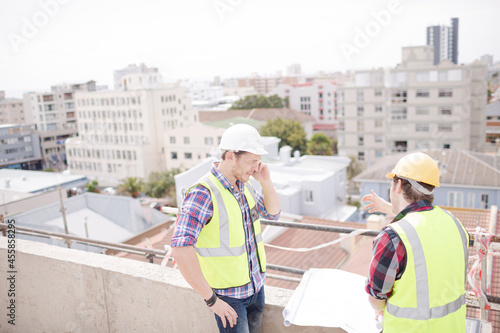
point(66, 290)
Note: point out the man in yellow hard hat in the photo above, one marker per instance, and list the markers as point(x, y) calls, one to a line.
point(218, 243)
point(418, 271)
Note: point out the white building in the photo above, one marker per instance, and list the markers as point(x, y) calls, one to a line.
point(134, 76)
point(415, 106)
point(53, 114)
point(318, 100)
point(20, 147)
point(306, 185)
point(11, 110)
point(122, 132)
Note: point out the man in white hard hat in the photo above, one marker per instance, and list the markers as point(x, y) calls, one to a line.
point(217, 242)
point(417, 275)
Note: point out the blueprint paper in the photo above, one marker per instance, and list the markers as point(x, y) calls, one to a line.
point(331, 298)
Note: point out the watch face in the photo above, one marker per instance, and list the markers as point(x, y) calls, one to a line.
point(254, 214)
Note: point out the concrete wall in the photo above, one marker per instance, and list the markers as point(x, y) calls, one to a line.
point(64, 290)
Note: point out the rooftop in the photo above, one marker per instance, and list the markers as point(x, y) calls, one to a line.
point(256, 114)
point(27, 181)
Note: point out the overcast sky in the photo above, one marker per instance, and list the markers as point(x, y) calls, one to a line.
point(46, 42)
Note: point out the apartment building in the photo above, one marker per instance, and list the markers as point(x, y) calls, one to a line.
point(122, 132)
point(11, 110)
point(416, 105)
point(20, 147)
point(264, 85)
point(444, 39)
point(54, 116)
point(318, 100)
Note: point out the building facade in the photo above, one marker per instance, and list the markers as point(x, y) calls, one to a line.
point(318, 100)
point(20, 147)
point(414, 106)
point(444, 39)
point(11, 110)
point(54, 116)
point(122, 132)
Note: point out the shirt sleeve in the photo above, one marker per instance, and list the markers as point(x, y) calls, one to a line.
point(261, 208)
point(196, 210)
point(387, 265)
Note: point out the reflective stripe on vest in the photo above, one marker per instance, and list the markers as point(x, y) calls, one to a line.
point(423, 310)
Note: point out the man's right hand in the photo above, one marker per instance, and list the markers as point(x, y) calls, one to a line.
point(225, 312)
point(377, 204)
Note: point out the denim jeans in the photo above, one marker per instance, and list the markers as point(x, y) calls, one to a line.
point(249, 312)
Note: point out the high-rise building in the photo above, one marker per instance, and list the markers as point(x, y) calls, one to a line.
point(122, 132)
point(416, 105)
point(54, 117)
point(20, 147)
point(445, 41)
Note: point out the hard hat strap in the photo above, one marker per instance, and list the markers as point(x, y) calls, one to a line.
point(417, 186)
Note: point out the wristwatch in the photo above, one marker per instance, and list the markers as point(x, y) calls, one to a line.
point(211, 301)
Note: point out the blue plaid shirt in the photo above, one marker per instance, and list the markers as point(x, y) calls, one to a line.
point(197, 209)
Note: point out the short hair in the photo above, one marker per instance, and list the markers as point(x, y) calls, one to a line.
point(411, 194)
point(236, 153)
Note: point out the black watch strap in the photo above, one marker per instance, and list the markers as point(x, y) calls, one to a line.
point(211, 301)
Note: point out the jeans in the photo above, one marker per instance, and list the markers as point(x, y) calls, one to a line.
point(249, 312)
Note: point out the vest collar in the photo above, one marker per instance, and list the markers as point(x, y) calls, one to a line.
point(418, 206)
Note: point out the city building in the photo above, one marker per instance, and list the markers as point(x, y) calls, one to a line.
point(493, 122)
point(444, 39)
point(122, 132)
point(265, 84)
point(53, 114)
point(416, 105)
point(20, 147)
point(11, 110)
point(134, 75)
point(318, 100)
point(467, 179)
point(293, 70)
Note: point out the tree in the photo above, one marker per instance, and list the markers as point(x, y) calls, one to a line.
point(258, 102)
point(354, 168)
point(160, 184)
point(130, 186)
point(92, 186)
point(289, 131)
point(319, 144)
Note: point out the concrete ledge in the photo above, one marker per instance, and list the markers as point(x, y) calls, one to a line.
point(65, 290)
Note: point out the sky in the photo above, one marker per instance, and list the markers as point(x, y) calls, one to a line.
point(48, 42)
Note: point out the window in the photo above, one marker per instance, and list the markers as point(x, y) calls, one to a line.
point(470, 200)
point(398, 96)
point(422, 93)
point(360, 111)
point(378, 92)
point(445, 127)
point(308, 196)
point(51, 127)
point(173, 155)
point(361, 156)
point(360, 96)
point(186, 140)
point(379, 153)
point(400, 147)
point(341, 125)
point(361, 125)
point(188, 156)
point(378, 138)
point(484, 201)
point(455, 199)
point(422, 77)
point(361, 141)
point(445, 93)
point(209, 141)
point(422, 127)
point(399, 114)
point(422, 110)
point(172, 140)
point(379, 123)
point(443, 76)
point(445, 110)
point(378, 108)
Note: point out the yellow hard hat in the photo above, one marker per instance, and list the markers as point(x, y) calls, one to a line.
point(417, 166)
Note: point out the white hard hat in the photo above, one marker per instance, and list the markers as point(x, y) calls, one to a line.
point(242, 137)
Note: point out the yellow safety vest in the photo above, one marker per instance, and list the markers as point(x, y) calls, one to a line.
point(221, 247)
point(430, 296)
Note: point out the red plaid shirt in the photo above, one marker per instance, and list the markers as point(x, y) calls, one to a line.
point(389, 256)
point(197, 209)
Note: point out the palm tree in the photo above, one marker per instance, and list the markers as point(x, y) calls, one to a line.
point(131, 186)
point(92, 186)
point(160, 184)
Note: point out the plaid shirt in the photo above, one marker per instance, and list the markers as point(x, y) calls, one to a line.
point(197, 209)
point(389, 256)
